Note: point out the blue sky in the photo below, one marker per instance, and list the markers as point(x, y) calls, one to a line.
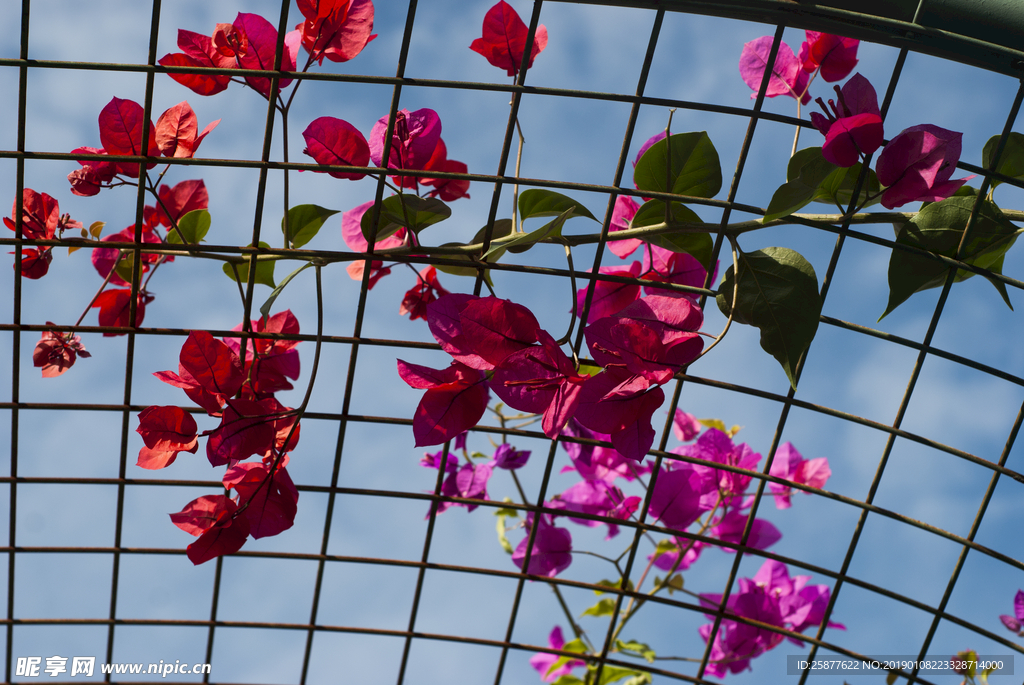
point(567, 139)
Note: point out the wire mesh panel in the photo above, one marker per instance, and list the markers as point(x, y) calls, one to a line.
point(864, 497)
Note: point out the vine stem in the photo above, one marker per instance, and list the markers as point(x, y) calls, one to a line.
point(735, 296)
point(120, 253)
point(515, 189)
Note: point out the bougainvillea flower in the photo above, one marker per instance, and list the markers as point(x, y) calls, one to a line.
point(1016, 621)
point(35, 263)
point(177, 131)
point(621, 405)
point(736, 643)
point(730, 529)
point(178, 201)
point(594, 462)
point(121, 128)
point(56, 352)
point(597, 498)
point(854, 126)
point(115, 309)
point(788, 76)
point(336, 142)
point(685, 426)
point(680, 496)
point(198, 51)
point(336, 29)
point(543, 661)
point(93, 175)
point(509, 458)
point(552, 548)
point(540, 379)
point(653, 337)
point(834, 56)
point(269, 363)
point(504, 41)
point(610, 297)
point(105, 259)
point(789, 464)
point(665, 266)
point(433, 461)
point(377, 271)
point(667, 560)
point(455, 400)
point(623, 213)
point(270, 501)
point(413, 141)
point(801, 605)
point(468, 481)
point(212, 518)
point(448, 189)
point(166, 432)
point(916, 165)
point(40, 216)
point(481, 331)
point(212, 364)
point(715, 446)
point(262, 48)
point(250, 427)
point(417, 298)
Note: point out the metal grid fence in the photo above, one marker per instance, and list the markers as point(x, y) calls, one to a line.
point(906, 36)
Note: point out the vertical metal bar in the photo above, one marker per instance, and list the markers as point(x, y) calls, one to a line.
point(16, 334)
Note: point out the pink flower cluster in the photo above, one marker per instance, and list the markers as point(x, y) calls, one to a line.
point(916, 165)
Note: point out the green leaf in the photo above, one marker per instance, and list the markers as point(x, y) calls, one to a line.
point(589, 368)
point(408, 211)
point(604, 607)
point(665, 546)
point(265, 309)
point(694, 168)
point(715, 423)
point(502, 514)
point(777, 293)
point(637, 648)
point(264, 270)
point(1011, 162)
point(613, 585)
point(502, 228)
point(569, 679)
point(891, 678)
point(642, 679)
point(697, 245)
point(524, 241)
point(304, 222)
point(544, 202)
point(806, 172)
point(837, 188)
point(939, 228)
point(675, 583)
point(193, 226)
point(123, 268)
point(613, 674)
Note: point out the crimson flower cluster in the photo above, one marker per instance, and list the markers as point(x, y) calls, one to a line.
point(498, 344)
point(252, 423)
point(916, 165)
point(334, 29)
point(40, 220)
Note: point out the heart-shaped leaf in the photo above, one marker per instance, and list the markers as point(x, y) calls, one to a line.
point(1011, 162)
point(544, 202)
point(694, 168)
point(408, 211)
point(264, 270)
point(806, 172)
point(193, 226)
point(777, 291)
point(304, 222)
point(939, 228)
